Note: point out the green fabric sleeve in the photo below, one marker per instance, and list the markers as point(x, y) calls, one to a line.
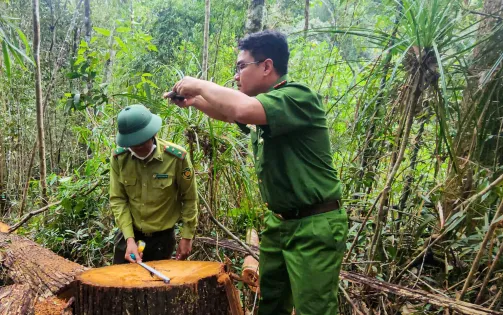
point(119, 203)
point(292, 108)
point(188, 196)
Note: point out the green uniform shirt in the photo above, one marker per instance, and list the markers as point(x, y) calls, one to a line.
point(153, 194)
point(292, 152)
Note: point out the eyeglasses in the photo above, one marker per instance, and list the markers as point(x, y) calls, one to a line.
point(241, 66)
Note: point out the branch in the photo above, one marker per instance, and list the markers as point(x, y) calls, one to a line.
point(417, 295)
point(35, 212)
point(212, 218)
point(468, 201)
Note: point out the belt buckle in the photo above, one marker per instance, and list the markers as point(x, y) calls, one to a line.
point(147, 234)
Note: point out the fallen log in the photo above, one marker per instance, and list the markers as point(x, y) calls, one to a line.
point(25, 262)
point(130, 289)
point(250, 270)
point(390, 288)
point(16, 299)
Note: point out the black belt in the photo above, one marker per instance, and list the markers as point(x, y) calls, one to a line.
point(309, 211)
point(138, 234)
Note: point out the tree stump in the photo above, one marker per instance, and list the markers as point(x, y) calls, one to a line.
point(16, 299)
point(196, 287)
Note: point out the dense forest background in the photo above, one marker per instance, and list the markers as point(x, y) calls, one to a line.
point(412, 90)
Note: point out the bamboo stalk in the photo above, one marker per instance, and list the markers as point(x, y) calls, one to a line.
point(476, 262)
point(488, 275)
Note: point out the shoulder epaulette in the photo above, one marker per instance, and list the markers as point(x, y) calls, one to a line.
point(118, 151)
point(279, 84)
point(175, 150)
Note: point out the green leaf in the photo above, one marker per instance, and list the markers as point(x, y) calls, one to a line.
point(65, 179)
point(73, 75)
point(76, 98)
point(121, 43)
point(152, 47)
point(68, 105)
point(102, 31)
point(497, 220)
point(66, 203)
point(25, 41)
point(6, 58)
point(123, 29)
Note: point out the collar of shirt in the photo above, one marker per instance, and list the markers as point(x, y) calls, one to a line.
point(281, 79)
point(156, 154)
point(159, 151)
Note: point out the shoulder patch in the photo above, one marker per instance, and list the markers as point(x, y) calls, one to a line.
point(175, 150)
point(279, 84)
point(118, 151)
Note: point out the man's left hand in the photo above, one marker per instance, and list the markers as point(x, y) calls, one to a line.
point(184, 249)
point(188, 87)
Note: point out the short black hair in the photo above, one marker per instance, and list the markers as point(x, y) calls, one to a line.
point(268, 44)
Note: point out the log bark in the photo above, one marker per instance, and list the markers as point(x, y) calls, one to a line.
point(25, 262)
point(130, 289)
point(250, 265)
point(16, 299)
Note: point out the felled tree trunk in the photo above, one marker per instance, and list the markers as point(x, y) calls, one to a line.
point(25, 262)
point(250, 270)
point(16, 299)
point(129, 289)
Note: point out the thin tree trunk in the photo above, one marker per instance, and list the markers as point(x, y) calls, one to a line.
point(87, 20)
point(413, 98)
point(28, 176)
point(371, 150)
point(206, 38)
point(306, 19)
point(2, 183)
point(254, 21)
point(38, 93)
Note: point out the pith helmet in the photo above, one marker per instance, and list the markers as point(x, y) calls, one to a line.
point(136, 125)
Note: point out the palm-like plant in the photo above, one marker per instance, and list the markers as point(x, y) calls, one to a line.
point(11, 38)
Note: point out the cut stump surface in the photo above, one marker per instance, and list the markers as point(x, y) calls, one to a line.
point(130, 289)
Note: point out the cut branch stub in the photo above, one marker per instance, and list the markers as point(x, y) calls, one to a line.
point(130, 289)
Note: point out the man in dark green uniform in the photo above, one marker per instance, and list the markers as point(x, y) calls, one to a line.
point(303, 243)
point(151, 187)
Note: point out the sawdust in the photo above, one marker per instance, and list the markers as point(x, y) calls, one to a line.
point(50, 306)
point(4, 228)
point(133, 275)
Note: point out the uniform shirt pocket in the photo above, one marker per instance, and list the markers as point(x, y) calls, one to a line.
point(162, 189)
point(130, 184)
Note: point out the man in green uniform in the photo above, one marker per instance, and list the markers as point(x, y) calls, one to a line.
point(152, 186)
point(303, 243)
